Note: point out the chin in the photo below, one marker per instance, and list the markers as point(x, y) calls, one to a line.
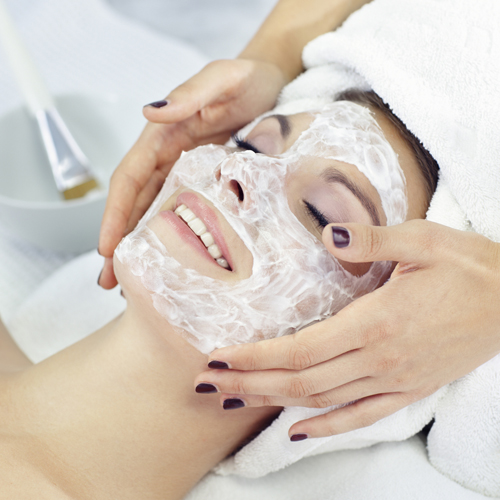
point(142, 311)
point(131, 286)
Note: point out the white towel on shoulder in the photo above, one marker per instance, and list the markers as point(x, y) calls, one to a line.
point(437, 64)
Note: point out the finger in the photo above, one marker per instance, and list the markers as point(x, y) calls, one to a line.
point(362, 413)
point(126, 183)
point(121, 198)
point(107, 277)
point(358, 389)
point(310, 346)
point(199, 91)
point(289, 383)
point(416, 241)
point(146, 198)
point(138, 179)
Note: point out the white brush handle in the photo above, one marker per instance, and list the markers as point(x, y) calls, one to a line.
point(35, 90)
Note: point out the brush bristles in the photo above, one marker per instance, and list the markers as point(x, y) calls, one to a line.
point(81, 190)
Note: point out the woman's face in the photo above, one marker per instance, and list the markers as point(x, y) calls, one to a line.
point(319, 192)
point(234, 239)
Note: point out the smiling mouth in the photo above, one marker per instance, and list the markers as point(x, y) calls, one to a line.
point(198, 227)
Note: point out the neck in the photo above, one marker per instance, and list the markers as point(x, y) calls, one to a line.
point(116, 415)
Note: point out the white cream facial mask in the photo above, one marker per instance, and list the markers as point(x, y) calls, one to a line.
point(294, 280)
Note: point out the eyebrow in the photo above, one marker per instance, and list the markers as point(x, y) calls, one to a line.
point(332, 175)
point(284, 124)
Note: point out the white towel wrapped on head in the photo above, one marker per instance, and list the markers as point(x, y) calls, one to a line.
point(437, 64)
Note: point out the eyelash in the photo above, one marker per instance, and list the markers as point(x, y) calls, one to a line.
point(241, 143)
point(317, 215)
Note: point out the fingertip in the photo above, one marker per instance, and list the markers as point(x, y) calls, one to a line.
point(154, 112)
point(107, 278)
point(357, 243)
point(341, 236)
point(218, 365)
point(157, 104)
point(108, 283)
point(218, 359)
point(205, 388)
point(338, 236)
point(172, 112)
point(233, 404)
point(299, 431)
point(300, 436)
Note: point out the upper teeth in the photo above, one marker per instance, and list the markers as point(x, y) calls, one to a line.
point(199, 228)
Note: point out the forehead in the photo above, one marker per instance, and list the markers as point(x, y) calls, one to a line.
point(348, 133)
point(339, 124)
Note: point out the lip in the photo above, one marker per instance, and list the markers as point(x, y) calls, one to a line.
point(209, 218)
point(186, 234)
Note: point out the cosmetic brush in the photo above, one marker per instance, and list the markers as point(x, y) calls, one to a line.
point(70, 167)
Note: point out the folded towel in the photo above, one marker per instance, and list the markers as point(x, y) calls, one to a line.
point(436, 63)
point(385, 471)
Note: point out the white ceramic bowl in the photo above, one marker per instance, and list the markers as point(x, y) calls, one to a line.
point(105, 127)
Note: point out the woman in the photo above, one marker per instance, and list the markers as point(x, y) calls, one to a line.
point(115, 415)
point(384, 376)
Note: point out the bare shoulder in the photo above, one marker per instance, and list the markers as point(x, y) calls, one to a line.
point(21, 481)
point(12, 359)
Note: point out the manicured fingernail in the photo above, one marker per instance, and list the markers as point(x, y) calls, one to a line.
point(298, 437)
point(99, 277)
point(232, 404)
point(218, 364)
point(341, 238)
point(158, 104)
point(205, 389)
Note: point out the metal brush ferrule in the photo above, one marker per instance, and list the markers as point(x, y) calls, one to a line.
point(69, 165)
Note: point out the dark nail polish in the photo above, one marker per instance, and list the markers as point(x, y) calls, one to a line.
point(341, 238)
point(99, 277)
point(205, 389)
point(158, 104)
point(218, 364)
point(233, 404)
point(298, 437)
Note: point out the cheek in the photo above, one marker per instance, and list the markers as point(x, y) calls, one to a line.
point(120, 271)
point(301, 185)
point(294, 185)
point(356, 269)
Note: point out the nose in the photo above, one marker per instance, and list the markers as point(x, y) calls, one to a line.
point(235, 187)
point(239, 174)
point(232, 185)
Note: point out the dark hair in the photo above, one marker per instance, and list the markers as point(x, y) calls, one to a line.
point(428, 165)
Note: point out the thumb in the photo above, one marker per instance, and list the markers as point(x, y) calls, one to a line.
point(203, 89)
point(415, 241)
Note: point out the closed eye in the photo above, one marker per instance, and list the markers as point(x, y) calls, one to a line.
point(243, 144)
point(319, 217)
